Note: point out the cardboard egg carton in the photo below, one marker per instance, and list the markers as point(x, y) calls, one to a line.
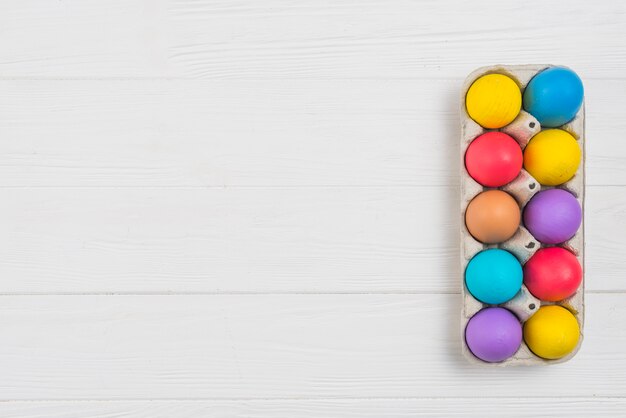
point(523, 245)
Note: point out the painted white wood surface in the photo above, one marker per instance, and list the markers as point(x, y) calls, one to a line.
point(305, 39)
point(239, 208)
point(270, 346)
point(329, 408)
point(258, 240)
point(258, 133)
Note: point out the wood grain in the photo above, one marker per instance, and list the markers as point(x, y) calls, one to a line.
point(283, 39)
point(277, 346)
point(258, 240)
point(322, 408)
point(242, 133)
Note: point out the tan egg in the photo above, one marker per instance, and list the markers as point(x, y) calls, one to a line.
point(492, 217)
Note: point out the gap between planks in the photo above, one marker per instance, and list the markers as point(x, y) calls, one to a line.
point(285, 293)
point(272, 78)
point(312, 399)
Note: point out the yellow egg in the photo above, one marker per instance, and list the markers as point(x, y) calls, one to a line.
point(552, 332)
point(552, 157)
point(493, 101)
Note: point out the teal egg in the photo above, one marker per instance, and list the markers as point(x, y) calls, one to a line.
point(494, 276)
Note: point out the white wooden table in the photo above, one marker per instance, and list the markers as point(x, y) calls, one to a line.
point(230, 208)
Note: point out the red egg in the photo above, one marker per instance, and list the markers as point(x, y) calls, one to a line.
point(494, 159)
point(553, 274)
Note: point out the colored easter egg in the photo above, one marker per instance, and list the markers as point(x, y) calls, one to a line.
point(493, 159)
point(493, 276)
point(493, 101)
point(492, 216)
point(552, 332)
point(552, 157)
point(553, 274)
point(553, 216)
point(493, 334)
point(554, 96)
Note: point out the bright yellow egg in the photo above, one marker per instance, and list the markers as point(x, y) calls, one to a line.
point(552, 157)
point(552, 332)
point(493, 101)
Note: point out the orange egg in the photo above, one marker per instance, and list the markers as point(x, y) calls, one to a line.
point(492, 217)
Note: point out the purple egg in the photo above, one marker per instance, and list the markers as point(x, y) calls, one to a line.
point(493, 334)
point(553, 216)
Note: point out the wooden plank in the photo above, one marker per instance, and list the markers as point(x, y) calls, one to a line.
point(278, 346)
point(258, 240)
point(242, 133)
point(322, 408)
point(283, 39)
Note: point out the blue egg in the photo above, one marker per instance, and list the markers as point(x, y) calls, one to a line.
point(554, 96)
point(493, 276)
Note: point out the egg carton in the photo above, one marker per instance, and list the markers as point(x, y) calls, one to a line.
point(523, 245)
